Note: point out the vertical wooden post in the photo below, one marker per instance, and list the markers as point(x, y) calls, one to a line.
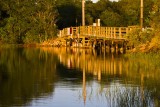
point(141, 16)
point(65, 43)
point(111, 32)
point(83, 41)
point(124, 47)
point(114, 32)
point(117, 49)
point(120, 32)
point(104, 41)
point(89, 30)
point(127, 30)
point(112, 47)
point(96, 31)
point(83, 12)
point(106, 31)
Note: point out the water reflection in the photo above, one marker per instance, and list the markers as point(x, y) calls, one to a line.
point(122, 81)
point(25, 74)
point(76, 77)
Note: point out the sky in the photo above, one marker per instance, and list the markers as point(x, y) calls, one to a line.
point(97, 0)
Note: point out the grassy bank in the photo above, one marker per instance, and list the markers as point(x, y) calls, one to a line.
point(144, 41)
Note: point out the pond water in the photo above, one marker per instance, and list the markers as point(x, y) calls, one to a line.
point(61, 77)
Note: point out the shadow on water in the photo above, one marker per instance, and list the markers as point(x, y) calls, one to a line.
point(25, 74)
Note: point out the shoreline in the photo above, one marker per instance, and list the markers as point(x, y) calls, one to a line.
point(138, 49)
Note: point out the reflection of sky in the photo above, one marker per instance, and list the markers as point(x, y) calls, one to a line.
point(112, 95)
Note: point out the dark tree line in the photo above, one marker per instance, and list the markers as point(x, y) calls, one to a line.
point(32, 21)
point(122, 13)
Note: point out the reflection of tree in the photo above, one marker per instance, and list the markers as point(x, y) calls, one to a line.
point(25, 73)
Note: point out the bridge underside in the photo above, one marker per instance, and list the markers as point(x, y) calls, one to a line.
point(109, 44)
point(108, 38)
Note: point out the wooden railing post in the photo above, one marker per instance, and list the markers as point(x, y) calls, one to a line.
point(106, 31)
point(120, 32)
point(114, 32)
point(111, 32)
point(127, 30)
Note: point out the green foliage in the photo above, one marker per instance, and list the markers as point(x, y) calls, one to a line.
point(147, 35)
point(134, 37)
point(155, 15)
point(130, 11)
point(33, 21)
point(28, 20)
point(89, 19)
point(148, 39)
point(155, 24)
point(137, 37)
point(110, 18)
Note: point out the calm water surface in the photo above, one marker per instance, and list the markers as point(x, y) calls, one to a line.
point(59, 77)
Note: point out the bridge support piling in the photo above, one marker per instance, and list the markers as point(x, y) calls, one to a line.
point(117, 48)
point(83, 41)
point(123, 48)
point(112, 48)
point(104, 44)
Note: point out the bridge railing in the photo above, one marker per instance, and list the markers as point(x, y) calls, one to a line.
point(97, 31)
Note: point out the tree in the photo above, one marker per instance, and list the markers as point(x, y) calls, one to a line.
point(155, 24)
point(130, 11)
point(28, 21)
point(69, 13)
point(155, 15)
point(148, 4)
point(110, 18)
point(95, 9)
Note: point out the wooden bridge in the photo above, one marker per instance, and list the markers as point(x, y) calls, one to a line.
point(110, 38)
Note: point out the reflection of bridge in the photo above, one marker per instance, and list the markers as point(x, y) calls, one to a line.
point(89, 61)
point(97, 63)
point(112, 38)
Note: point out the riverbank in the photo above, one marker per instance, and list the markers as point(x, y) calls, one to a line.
point(153, 46)
point(148, 47)
point(144, 41)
